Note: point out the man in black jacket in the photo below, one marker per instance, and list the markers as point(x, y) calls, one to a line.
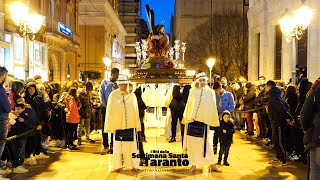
point(279, 117)
point(310, 122)
point(4, 110)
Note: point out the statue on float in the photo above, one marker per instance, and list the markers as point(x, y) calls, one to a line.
point(158, 44)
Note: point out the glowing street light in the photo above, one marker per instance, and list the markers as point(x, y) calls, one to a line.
point(210, 64)
point(293, 27)
point(28, 24)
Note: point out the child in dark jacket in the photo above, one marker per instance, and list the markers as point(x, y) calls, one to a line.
point(21, 122)
point(226, 131)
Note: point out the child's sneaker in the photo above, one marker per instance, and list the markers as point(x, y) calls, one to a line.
point(226, 163)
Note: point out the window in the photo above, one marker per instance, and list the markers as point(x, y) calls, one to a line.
point(278, 53)
point(258, 53)
point(18, 50)
point(302, 54)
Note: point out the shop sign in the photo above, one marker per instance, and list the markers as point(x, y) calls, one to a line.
point(64, 29)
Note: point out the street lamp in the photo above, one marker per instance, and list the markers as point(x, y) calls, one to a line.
point(293, 28)
point(210, 64)
point(107, 62)
point(28, 24)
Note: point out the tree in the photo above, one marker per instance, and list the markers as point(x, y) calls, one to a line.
point(229, 44)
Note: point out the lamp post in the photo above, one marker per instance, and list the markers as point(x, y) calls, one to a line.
point(293, 28)
point(107, 62)
point(28, 24)
point(210, 64)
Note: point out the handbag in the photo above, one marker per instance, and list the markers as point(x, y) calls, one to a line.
point(196, 128)
point(124, 135)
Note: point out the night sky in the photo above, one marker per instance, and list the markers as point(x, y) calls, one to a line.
point(163, 9)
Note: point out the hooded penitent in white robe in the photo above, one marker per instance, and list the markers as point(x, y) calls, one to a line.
point(122, 113)
point(208, 114)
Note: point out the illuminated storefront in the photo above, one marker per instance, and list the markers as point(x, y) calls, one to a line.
point(13, 58)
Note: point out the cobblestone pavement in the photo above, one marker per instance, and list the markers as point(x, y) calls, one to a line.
point(248, 158)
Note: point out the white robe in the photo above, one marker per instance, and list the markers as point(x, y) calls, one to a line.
point(193, 146)
point(120, 116)
point(208, 114)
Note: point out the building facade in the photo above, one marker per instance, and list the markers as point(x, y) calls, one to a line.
point(102, 35)
point(188, 14)
point(270, 55)
point(129, 16)
point(54, 53)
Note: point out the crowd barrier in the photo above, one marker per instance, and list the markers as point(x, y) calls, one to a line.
point(18, 136)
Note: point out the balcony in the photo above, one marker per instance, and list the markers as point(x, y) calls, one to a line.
point(52, 27)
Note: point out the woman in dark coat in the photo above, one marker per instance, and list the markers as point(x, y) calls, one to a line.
point(142, 137)
point(185, 95)
point(303, 87)
point(142, 107)
point(37, 103)
point(176, 111)
point(249, 103)
point(291, 97)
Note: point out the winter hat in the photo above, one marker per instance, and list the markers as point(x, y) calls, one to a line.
point(249, 85)
point(217, 85)
point(225, 112)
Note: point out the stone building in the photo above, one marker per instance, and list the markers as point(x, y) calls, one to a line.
point(102, 35)
point(129, 16)
point(188, 14)
point(270, 55)
point(54, 53)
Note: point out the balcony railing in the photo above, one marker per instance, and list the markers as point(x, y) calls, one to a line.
point(52, 26)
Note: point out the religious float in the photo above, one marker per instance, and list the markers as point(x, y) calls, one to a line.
point(156, 61)
point(158, 68)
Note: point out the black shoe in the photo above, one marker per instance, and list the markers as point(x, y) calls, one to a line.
point(142, 162)
point(110, 151)
point(250, 134)
point(79, 142)
point(172, 140)
point(72, 148)
point(90, 141)
point(144, 139)
point(219, 163)
point(226, 163)
point(215, 149)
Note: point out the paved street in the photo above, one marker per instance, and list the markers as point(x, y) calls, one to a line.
point(248, 159)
